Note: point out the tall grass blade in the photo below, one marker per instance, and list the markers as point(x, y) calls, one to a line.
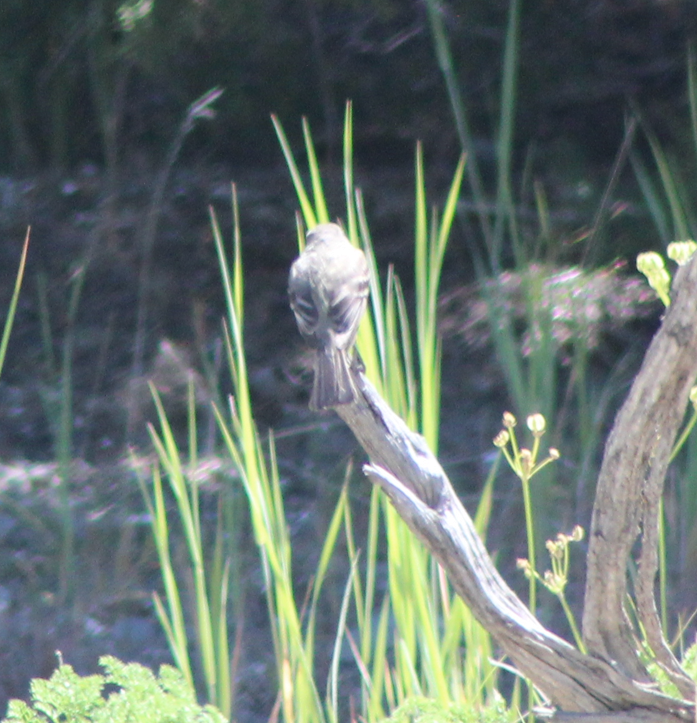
point(12, 308)
point(325, 559)
point(172, 618)
point(458, 107)
point(671, 187)
point(333, 682)
point(305, 205)
point(315, 176)
point(370, 341)
point(692, 88)
point(653, 199)
point(505, 207)
point(186, 496)
point(349, 189)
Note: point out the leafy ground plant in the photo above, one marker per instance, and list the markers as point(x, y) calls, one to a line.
point(126, 692)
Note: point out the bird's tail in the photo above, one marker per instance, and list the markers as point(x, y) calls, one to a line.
point(333, 384)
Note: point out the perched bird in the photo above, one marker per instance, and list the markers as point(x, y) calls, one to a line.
point(328, 289)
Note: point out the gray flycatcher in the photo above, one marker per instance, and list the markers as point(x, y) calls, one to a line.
point(328, 289)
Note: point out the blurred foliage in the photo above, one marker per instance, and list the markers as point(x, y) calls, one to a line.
point(126, 692)
point(78, 83)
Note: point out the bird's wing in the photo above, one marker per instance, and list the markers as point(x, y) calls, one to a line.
point(346, 309)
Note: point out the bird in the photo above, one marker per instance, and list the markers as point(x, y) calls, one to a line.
point(328, 288)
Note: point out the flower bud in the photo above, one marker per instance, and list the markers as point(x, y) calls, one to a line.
point(536, 424)
point(501, 439)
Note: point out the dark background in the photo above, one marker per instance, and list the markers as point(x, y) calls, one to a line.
point(91, 110)
point(73, 77)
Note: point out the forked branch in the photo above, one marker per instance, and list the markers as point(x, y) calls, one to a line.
point(609, 685)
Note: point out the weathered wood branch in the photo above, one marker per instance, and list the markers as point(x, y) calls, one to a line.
point(630, 486)
point(608, 686)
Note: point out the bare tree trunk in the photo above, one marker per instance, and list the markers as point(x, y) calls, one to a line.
point(630, 487)
point(609, 685)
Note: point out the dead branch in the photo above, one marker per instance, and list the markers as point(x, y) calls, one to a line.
point(630, 486)
point(608, 686)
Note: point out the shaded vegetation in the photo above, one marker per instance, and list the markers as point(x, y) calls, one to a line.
point(106, 81)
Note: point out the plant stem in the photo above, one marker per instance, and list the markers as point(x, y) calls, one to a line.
point(530, 531)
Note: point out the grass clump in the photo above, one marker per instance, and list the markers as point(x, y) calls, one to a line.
point(412, 637)
point(426, 642)
point(126, 692)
